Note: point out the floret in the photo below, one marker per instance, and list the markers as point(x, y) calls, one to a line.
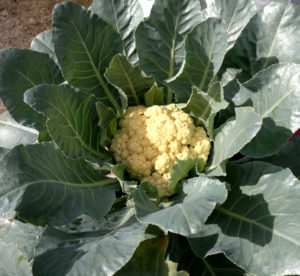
point(152, 139)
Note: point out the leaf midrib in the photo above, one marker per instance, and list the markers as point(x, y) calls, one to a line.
point(87, 147)
point(134, 94)
point(205, 111)
point(18, 126)
point(206, 69)
point(100, 183)
point(232, 16)
point(172, 59)
point(222, 154)
point(232, 214)
point(273, 42)
point(100, 79)
point(277, 103)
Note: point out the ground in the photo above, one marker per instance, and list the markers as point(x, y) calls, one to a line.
point(22, 20)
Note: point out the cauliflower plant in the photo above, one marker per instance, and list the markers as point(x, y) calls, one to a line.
point(151, 139)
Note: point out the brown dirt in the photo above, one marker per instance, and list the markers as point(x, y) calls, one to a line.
point(22, 20)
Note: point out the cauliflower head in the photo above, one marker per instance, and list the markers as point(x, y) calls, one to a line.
point(151, 139)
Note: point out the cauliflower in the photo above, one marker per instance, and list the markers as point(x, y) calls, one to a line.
point(151, 139)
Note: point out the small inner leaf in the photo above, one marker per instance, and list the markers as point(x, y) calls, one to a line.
point(129, 79)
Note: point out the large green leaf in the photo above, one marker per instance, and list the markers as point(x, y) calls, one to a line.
point(288, 157)
point(44, 186)
point(276, 97)
point(129, 79)
point(257, 227)
point(235, 13)
point(268, 140)
point(12, 262)
point(234, 135)
point(180, 252)
point(276, 94)
point(72, 119)
point(13, 134)
point(205, 49)
point(148, 259)
point(20, 70)
point(84, 45)
point(160, 39)
point(272, 35)
point(24, 235)
point(186, 212)
point(43, 43)
point(125, 16)
point(100, 252)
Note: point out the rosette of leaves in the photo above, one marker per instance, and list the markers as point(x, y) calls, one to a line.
point(233, 68)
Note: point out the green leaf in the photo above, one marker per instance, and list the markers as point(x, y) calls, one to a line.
point(220, 170)
point(20, 70)
point(129, 79)
point(234, 135)
point(288, 157)
point(229, 75)
point(3, 151)
point(13, 134)
point(199, 105)
point(205, 106)
point(274, 36)
point(24, 235)
point(181, 170)
point(236, 93)
point(218, 104)
point(107, 123)
point(268, 140)
point(124, 16)
point(43, 43)
point(276, 97)
point(276, 94)
point(220, 265)
point(257, 226)
point(160, 39)
point(148, 259)
point(235, 13)
point(187, 211)
point(154, 96)
point(127, 185)
point(100, 252)
point(180, 252)
point(84, 45)
point(205, 49)
point(44, 186)
point(72, 119)
point(12, 262)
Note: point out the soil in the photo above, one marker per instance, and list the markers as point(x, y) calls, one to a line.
point(22, 20)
